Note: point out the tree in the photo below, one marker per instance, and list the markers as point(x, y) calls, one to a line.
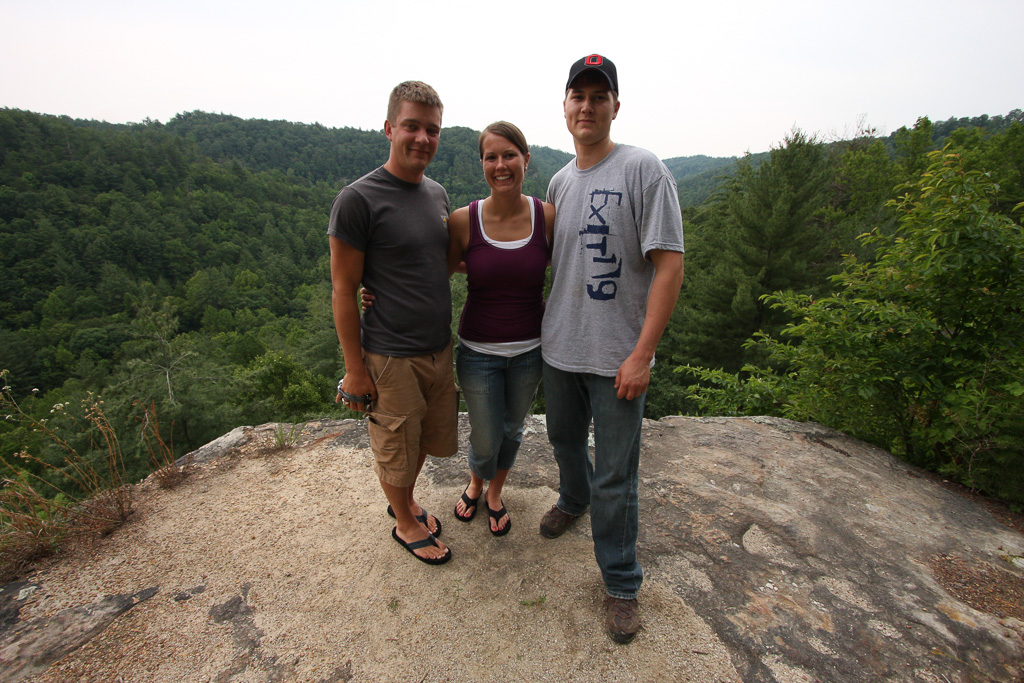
point(764, 234)
point(865, 182)
point(913, 146)
point(920, 352)
point(276, 386)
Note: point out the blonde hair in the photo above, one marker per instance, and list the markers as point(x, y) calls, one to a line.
point(412, 91)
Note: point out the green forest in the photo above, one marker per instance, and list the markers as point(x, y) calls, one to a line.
point(180, 269)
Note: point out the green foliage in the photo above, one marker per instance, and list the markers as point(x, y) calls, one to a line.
point(308, 152)
point(864, 185)
point(763, 233)
point(275, 384)
point(1001, 156)
point(719, 392)
point(135, 265)
point(700, 177)
point(919, 351)
point(286, 436)
point(184, 266)
point(44, 501)
point(913, 146)
point(785, 224)
point(986, 124)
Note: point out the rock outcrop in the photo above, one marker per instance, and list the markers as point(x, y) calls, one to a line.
point(773, 551)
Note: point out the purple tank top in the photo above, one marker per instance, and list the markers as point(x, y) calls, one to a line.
point(505, 301)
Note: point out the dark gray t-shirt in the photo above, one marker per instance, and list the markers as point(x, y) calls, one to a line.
point(402, 228)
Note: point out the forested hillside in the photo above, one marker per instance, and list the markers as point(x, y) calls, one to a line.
point(184, 266)
point(136, 267)
point(339, 155)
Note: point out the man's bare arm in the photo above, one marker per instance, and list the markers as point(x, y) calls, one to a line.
point(346, 274)
point(635, 372)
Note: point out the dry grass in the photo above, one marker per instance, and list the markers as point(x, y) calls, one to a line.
point(31, 526)
point(37, 515)
point(161, 455)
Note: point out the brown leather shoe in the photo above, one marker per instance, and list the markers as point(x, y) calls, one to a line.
point(554, 522)
point(622, 618)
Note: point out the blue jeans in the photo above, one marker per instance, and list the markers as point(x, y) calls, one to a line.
point(608, 485)
point(498, 392)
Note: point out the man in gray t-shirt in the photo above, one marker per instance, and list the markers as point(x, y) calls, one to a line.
point(389, 231)
point(616, 270)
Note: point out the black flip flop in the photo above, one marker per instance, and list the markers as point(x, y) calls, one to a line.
point(416, 545)
point(496, 515)
point(422, 519)
point(468, 502)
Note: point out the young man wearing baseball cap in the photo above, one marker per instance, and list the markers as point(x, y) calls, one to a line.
point(616, 271)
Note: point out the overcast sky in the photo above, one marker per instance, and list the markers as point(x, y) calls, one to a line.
point(720, 77)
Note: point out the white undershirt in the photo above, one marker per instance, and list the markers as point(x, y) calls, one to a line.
point(514, 244)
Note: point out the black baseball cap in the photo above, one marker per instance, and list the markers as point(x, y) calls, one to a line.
point(597, 63)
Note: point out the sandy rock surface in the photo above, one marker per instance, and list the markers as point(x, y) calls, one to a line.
point(773, 551)
point(279, 566)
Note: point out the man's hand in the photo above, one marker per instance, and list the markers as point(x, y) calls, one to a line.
point(633, 376)
point(357, 384)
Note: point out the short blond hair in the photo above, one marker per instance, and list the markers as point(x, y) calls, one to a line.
point(412, 91)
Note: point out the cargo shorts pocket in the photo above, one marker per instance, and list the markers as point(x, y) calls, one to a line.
point(387, 437)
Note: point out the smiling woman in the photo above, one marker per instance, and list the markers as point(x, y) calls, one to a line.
point(504, 155)
point(504, 240)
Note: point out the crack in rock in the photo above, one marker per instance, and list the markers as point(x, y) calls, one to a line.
point(33, 645)
point(246, 636)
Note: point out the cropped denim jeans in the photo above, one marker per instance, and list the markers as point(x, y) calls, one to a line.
point(498, 392)
point(608, 484)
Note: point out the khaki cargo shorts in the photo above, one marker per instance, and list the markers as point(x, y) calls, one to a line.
point(416, 410)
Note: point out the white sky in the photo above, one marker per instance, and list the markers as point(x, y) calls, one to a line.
point(719, 78)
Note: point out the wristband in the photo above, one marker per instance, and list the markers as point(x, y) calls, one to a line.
point(353, 398)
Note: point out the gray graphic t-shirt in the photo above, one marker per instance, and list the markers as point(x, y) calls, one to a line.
point(607, 219)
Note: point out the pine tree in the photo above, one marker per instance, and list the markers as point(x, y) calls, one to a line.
point(765, 233)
